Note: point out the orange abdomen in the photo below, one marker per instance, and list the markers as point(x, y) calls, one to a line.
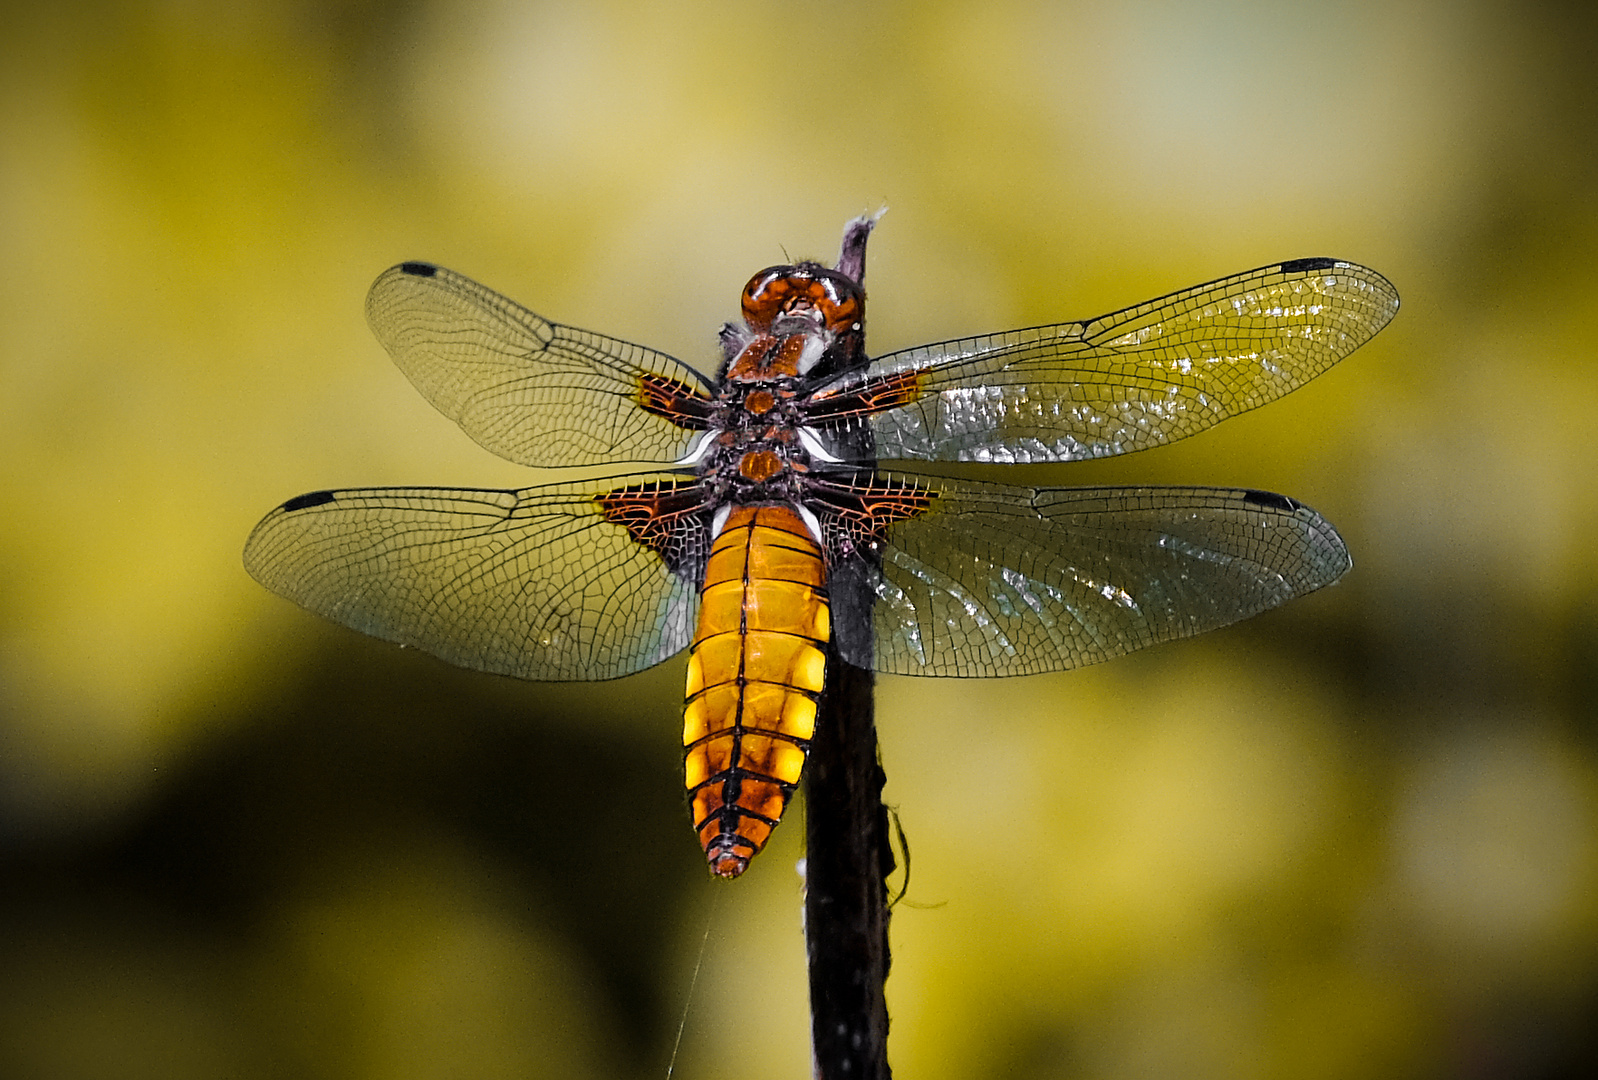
point(755, 671)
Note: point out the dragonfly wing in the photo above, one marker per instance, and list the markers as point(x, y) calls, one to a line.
point(566, 581)
point(528, 389)
point(1149, 375)
point(983, 579)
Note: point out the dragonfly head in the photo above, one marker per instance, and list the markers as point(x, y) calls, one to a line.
point(796, 317)
point(807, 293)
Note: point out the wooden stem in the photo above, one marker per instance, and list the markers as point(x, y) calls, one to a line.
point(847, 861)
point(848, 857)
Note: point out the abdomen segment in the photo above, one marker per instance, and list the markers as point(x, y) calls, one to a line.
point(755, 670)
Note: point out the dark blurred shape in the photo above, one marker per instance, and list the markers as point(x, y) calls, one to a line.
point(371, 750)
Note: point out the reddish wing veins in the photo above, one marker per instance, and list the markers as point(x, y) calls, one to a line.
point(665, 516)
point(856, 514)
point(673, 400)
point(874, 396)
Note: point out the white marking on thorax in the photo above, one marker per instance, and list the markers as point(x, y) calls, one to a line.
point(811, 352)
point(810, 520)
point(811, 441)
point(697, 450)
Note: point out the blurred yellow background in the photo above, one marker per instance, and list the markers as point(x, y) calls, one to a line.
point(1357, 837)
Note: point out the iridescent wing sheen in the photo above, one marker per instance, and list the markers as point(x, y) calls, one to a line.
point(568, 581)
point(987, 579)
point(1149, 375)
point(530, 390)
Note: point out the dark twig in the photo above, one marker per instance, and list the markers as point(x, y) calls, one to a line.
point(849, 856)
point(847, 863)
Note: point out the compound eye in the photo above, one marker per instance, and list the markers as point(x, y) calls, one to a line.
point(794, 290)
point(767, 295)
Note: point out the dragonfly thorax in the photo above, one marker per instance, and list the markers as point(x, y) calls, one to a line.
point(755, 463)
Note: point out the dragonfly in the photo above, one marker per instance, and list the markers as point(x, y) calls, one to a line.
point(757, 529)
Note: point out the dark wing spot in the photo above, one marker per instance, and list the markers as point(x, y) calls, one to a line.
point(419, 269)
point(1271, 499)
point(1304, 266)
point(305, 502)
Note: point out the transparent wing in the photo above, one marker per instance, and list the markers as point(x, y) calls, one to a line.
point(540, 583)
point(528, 389)
point(998, 580)
point(1149, 375)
